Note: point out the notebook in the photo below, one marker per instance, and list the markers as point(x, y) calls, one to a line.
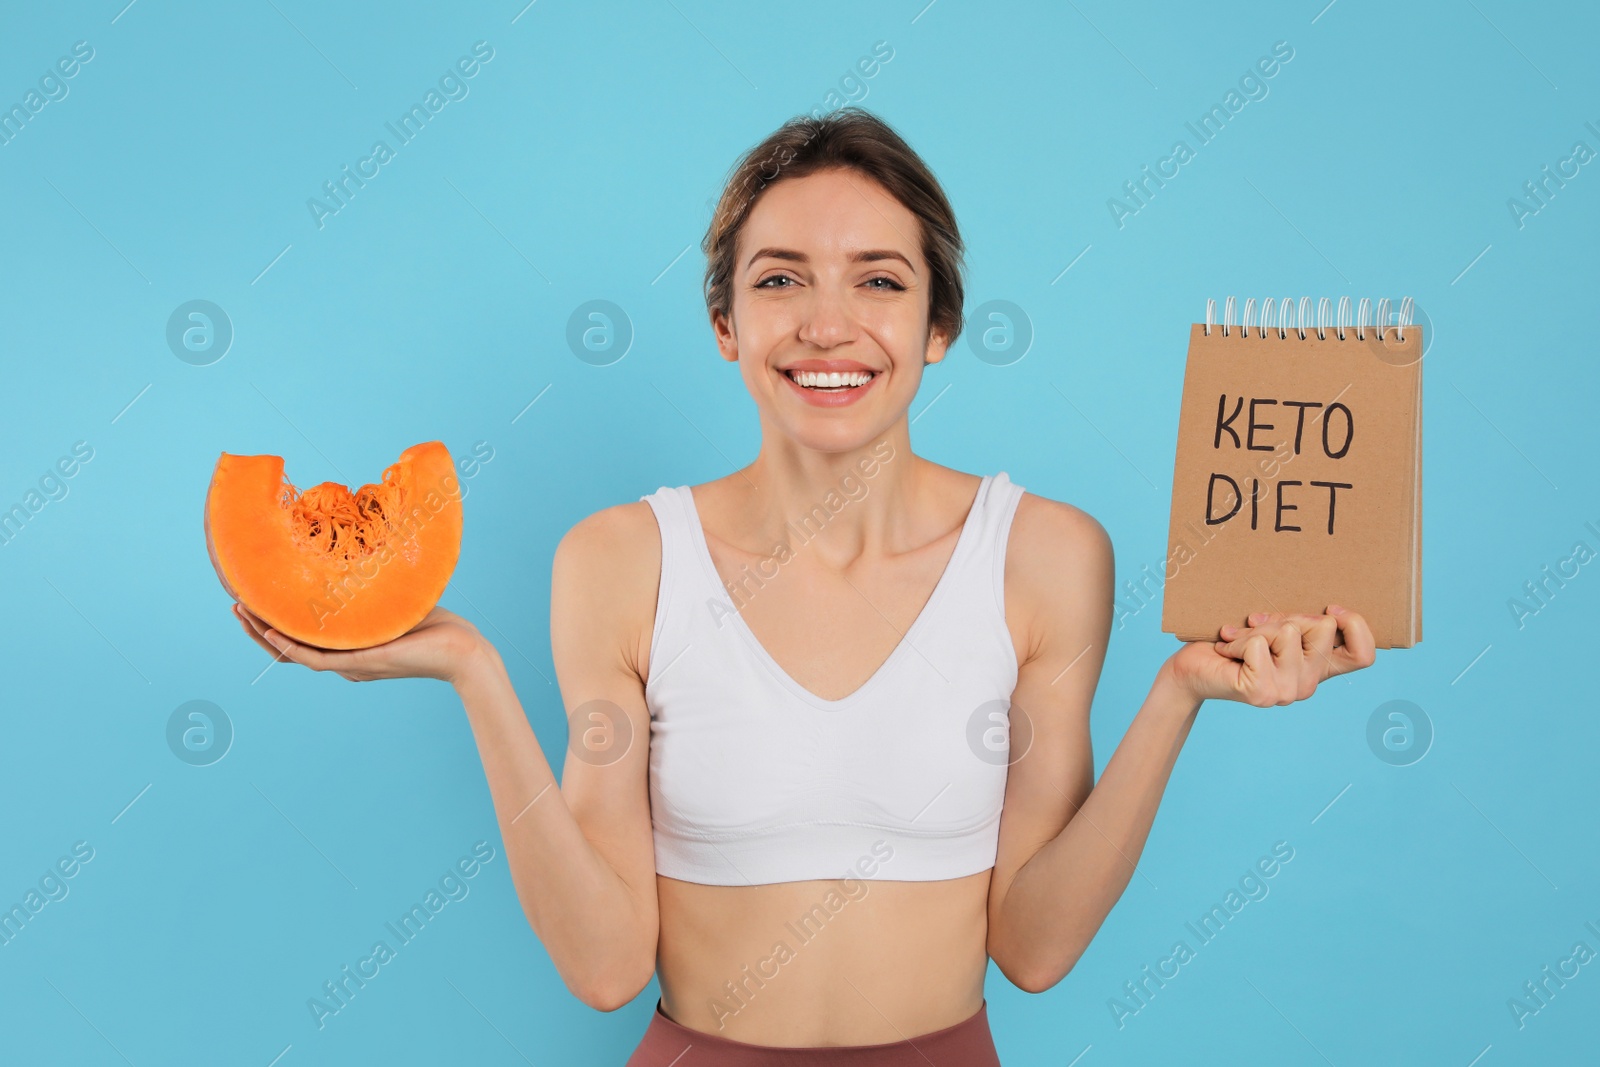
point(1297, 481)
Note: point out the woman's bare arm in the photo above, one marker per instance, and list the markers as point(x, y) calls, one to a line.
point(1069, 845)
point(581, 855)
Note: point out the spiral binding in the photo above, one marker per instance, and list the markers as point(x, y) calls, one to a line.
point(1276, 317)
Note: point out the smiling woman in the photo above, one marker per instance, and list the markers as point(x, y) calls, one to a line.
point(868, 697)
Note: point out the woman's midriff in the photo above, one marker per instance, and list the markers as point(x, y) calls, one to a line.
point(801, 964)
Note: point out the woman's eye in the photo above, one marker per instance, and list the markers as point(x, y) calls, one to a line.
point(882, 284)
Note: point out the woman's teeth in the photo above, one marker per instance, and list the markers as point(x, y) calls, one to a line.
point(833, 380)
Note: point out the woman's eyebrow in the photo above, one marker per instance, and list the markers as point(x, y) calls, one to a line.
point(868, 255)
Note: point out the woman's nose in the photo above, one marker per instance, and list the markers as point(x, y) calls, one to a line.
point(826, 320)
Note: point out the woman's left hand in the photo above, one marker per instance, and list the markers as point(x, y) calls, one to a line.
point(1277, 659)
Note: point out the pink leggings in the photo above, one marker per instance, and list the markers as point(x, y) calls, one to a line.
point(670, 1044)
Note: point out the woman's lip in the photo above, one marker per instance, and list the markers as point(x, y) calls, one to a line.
point(820, 399)
point(829, 366)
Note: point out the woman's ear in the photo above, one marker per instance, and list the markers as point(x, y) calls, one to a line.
point(727, 340)
point(936, 347)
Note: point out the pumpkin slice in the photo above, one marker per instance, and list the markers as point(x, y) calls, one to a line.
point(328, 567)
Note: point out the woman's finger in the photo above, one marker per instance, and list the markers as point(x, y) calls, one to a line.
point(1256, 682)
point(255, 622)
point(292, 650)
point(1289, 661)
point(255, 635)
point(1320, 633)
point(1234, 638)
point(1358, 648)
point(258, 639)
point(1258, 620)
point(356, 665)
point(1233, 648)
point(1317, 633)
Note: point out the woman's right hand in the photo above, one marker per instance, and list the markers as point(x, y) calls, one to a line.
point(1276, 660)
point(443, 645)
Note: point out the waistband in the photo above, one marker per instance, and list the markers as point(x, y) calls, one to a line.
point(968, 1043)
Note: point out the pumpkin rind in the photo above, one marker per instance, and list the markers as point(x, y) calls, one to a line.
point(329, 567)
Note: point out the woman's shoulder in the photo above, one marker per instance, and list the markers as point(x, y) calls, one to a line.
point(604, 580)
point(613, 537)
point(614, 552)
point(1045, 533)
point(1042, 527)
point(1060, 574)
point(1049, 520)
point(1054, 542)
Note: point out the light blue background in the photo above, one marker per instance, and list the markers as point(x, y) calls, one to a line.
point(580, 167)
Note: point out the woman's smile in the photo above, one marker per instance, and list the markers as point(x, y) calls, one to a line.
point(828, 383)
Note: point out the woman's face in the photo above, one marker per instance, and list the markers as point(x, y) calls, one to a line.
point(829, 279)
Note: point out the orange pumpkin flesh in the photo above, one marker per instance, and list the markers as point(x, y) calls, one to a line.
point(328, 567)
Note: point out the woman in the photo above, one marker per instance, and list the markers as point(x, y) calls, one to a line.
point(830, 829)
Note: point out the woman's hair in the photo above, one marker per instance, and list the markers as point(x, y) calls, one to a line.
point(851, 138)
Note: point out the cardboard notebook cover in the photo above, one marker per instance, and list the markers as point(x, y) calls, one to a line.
point(1297, 480)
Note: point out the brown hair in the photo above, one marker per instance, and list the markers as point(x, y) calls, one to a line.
point(850, 138)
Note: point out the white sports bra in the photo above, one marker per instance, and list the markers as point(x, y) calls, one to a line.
point(754, 779)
